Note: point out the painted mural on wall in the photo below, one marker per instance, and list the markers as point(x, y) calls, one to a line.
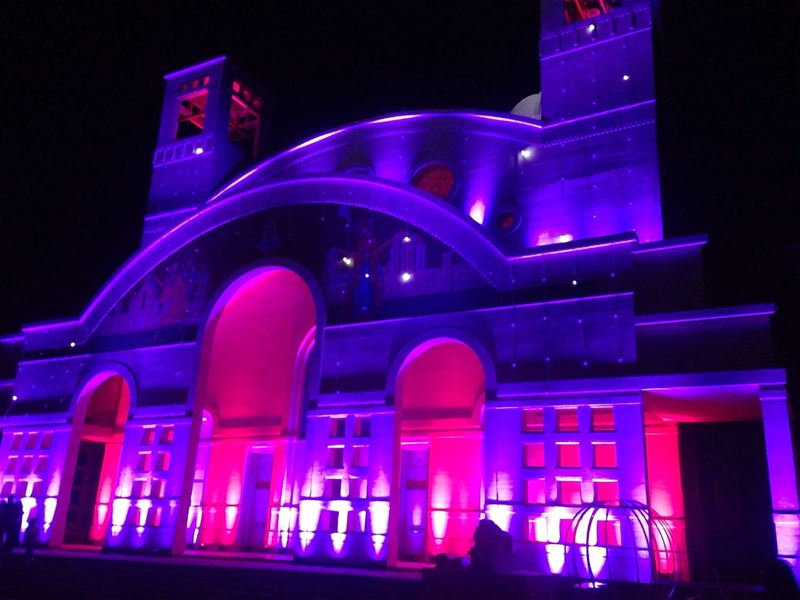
point(366, 264)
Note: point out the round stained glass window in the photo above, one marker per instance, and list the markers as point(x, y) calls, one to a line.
point(507, 221)
point(435, 179)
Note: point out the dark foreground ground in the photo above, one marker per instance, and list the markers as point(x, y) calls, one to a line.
point(74, 575)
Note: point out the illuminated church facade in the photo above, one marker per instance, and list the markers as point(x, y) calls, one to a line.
point(355, 350)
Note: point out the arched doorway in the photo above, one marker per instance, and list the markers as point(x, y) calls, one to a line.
point(93, 458)
point(440, 392)
point(255, 349)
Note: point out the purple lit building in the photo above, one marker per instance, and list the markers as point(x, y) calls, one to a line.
point(356, 349)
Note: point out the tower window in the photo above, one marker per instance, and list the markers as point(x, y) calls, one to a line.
point(243, 124)
point(192, 114)
point(578, 10)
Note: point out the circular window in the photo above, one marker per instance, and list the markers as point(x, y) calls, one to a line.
point(435, 179)
point(507, 221)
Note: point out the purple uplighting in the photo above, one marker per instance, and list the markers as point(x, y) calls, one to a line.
point(356, 350)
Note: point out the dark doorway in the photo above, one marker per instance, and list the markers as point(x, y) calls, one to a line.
point(727, 501)
point(83, 498)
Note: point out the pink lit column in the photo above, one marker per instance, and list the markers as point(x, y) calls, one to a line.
point(782, 474)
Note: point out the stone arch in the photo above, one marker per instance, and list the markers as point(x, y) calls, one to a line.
point(99, 413)
point(440, 392)
point(255, 347)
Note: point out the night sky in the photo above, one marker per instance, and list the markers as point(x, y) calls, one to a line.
point(82, 91)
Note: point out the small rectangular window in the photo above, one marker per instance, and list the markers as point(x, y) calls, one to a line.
point(167, 435)
point(36, 489)
point(47, 440)
point(337, 425)
point(534, 455)
point(16, 441)
point(32, 440)
point(608, 533)
point(535, 491)
point(333, 488)
point(336, 457)
point(148, 436)
point(567, 419)
point(569, 456)
point(603, 418)
point(41, 464)
point(537, 529)
point(363, 427)
point(569, 492)
point(27, 465)
point(154, 516)
point(565, 534)
point(8, 488)
point(158, 488)
point(360, 456)
point(163, 460)
point(606, 491)
point(533, 420)
point(143, 462)
point(137, 490)
point(329, 521)
point(605, 455)
point(11, 465)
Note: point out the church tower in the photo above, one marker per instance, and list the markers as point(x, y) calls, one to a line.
point(595, 169)
point(212, 125)
point(596, 56)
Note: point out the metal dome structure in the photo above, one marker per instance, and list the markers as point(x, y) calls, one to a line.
point(624, 540)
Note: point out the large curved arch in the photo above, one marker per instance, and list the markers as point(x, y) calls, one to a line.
point(437, 469)
point(425, 338)
point(436, 218)
point(251, 383)
point(513, 127)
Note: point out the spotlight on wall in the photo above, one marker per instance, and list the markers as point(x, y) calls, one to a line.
point(406, 239)
point(591, 28)
point(574, 282)
point(526, 153)
point(198, 151)
point(72, 344)
point(347, 261)
point(14, 398)
point(625, 77)
point(406, 277)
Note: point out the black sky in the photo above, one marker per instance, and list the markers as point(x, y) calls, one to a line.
point(82, 91)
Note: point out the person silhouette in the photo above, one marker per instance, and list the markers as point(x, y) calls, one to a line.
point(3, 522)
point(13, 522)
point(31, 538)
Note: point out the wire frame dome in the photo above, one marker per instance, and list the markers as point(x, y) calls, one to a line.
point(623, 540)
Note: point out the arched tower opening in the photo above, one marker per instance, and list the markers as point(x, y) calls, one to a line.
point(93, 458)
point(440, 392)
point(254, 353)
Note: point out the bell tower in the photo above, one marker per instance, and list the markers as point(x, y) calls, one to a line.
point(212, 125)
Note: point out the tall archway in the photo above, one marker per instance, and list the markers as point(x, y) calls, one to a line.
point(93, 457)
point(440, 392)
point(255, 349)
